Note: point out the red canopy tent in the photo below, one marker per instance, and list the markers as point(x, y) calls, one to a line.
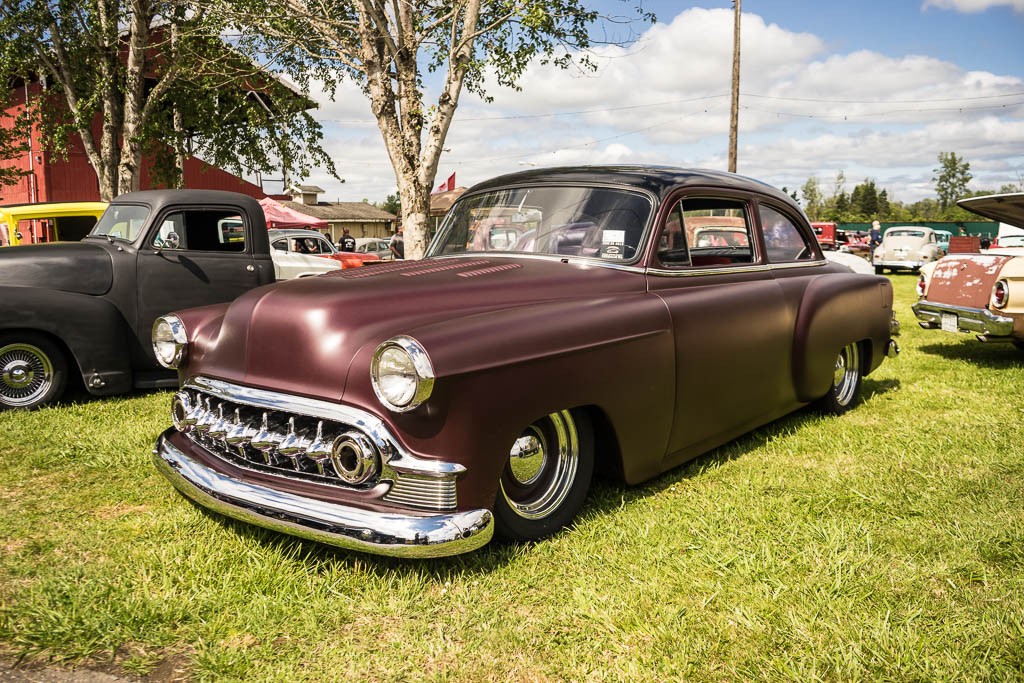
point(281, 216)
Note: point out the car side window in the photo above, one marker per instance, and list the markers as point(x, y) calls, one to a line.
point(783, 240)
point(280, 245)
point(202, 230)
point(706, 232)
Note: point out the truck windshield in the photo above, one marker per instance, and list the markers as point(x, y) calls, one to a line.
point(592, 222)
point(121, 221)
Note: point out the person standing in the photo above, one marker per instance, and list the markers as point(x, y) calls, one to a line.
point(347, 241)
point(875, 235)
point(397, 245)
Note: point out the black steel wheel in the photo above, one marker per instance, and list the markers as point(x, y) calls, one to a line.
point(846, 382)
point(33, 371)
point(546, 477)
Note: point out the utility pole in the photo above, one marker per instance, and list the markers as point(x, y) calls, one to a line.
point(735, 115)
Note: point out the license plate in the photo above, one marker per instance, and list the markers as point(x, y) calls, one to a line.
point(949, 322)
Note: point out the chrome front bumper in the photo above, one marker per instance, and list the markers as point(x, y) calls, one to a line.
point(987, 325)
point(900, 265)
point(393, 534)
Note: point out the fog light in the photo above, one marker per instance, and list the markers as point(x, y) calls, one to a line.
point(183, 412)
point(354, 458)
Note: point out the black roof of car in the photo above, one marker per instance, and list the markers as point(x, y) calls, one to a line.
point(654, 179)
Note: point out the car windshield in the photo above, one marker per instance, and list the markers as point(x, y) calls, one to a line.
point(121, 221)
point(904, 233)
point(592, 222)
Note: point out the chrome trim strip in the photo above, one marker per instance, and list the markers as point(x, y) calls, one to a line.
point(578, 260)
point(979, 320)
point(396, 457)
point(721, 270)
point(393, 534)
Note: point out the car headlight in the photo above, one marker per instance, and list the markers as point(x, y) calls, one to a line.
point(170, 341)
point(401, 373)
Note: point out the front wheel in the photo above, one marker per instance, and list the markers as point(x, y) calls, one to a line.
point(546, 477)
point(33, 371)
point(846, 382)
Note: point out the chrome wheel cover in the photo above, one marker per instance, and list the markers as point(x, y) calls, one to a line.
point(847, 374)
point(542, 466)
point(26, 374)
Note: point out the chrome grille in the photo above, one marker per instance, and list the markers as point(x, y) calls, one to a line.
point(422, 492)
point(295, 437)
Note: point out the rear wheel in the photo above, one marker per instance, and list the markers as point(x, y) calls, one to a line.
point(879, 270)
point(33, 371)
point(546, 477)
point(846, 382)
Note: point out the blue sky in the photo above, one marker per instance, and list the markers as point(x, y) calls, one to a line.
point(874, 89)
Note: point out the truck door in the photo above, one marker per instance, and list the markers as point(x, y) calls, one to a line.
point(194, 257)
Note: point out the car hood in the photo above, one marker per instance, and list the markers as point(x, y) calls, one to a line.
point(305, 336)
point(67, 266)
point(1005, 208)
point(965, 279)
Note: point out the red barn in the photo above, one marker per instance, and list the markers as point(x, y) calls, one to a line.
point(51, 177)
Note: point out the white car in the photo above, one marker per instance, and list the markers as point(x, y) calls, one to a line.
point(855, 263)
point(294, 253)
point(906, 247)
point(375, 245)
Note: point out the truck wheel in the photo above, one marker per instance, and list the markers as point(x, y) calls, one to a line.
point(33, 371)
point(879, 270)
point(546, 478)
point(846, 382)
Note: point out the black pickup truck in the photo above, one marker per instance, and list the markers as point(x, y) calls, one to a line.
point(87, 308)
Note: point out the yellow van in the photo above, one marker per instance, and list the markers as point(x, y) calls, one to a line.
point(48, 221)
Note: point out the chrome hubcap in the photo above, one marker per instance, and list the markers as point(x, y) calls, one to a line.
point(25, 374)
point(542, 466)
point(847, 374)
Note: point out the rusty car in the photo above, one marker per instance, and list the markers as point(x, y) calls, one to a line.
point(978, 293)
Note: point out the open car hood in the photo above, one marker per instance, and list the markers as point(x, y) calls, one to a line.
point(1005, 208)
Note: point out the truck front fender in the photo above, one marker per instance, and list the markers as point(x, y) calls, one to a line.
point(92, 330)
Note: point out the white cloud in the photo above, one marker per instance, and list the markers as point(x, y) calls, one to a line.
point(665, 99)
point(973, 6)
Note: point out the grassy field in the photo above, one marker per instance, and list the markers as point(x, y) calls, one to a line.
point(887, 544)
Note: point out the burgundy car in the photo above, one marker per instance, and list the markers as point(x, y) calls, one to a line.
point(417, 408)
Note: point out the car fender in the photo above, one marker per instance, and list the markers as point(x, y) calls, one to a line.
point(613, 354)
point(91, 328)
point(835, 311)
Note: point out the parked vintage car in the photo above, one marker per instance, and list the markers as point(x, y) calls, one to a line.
point(942, 238)
point(301, 253)
point(87, 308)
point(906, 248)
point(376, 246)
point(978, 293)
point(47, 222)
point(498, 380)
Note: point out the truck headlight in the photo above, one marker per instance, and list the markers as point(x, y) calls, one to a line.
point(401, 373)
point(170, 341)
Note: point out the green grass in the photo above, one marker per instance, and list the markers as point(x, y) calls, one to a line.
point(887, 544)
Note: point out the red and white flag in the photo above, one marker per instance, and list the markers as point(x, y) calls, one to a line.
point(446, 185)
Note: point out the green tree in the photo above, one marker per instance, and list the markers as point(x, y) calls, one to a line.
point(160, 78)
point(951, 179)
point(391, 204)
point(813, 198)
point(864, 201)
point(390, 47)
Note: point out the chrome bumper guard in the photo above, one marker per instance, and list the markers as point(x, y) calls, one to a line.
point(901, 265)
point(981, 321)
point(393, 534)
